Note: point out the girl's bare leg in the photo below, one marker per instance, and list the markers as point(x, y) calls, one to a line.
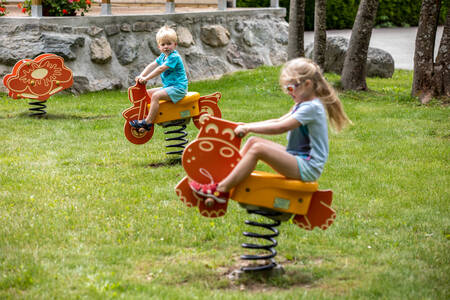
point(251, 141)
point(270, 152)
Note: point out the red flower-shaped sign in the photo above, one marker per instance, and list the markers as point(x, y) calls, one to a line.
point(38, 78)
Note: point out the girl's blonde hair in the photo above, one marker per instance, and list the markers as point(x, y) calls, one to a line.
point(166, 33)
point(300, 69)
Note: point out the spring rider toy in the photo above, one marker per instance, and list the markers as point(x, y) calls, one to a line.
point(38, 79)
point(169, 115)
point(214, 154)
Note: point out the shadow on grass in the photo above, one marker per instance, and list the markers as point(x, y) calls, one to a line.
point(284, 276)
point(47, 116)
point(167, 163)
point(258, 281)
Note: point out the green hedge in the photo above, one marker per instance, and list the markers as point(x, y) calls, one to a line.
point(341, 13)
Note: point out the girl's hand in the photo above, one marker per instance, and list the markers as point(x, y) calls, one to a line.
point(241, 130)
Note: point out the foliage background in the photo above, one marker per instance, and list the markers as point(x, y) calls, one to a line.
point(341, 13)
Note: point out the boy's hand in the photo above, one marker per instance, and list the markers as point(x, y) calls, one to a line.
point(140, 80)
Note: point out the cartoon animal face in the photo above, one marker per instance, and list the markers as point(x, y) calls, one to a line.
point(38, 78)
point(215, 152)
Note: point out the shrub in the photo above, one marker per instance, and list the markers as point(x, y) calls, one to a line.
point(341, 13)
point(2, 8)
point(60, 7)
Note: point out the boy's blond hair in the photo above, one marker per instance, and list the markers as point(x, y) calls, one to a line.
point(300, 69)
point(166, 33)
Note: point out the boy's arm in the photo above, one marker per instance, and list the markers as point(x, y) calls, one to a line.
point(157, 71)
point(148, 69)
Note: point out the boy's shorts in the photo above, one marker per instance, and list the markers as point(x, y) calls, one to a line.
point(175, 94)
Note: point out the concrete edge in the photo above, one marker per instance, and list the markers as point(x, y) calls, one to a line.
point(83, 20)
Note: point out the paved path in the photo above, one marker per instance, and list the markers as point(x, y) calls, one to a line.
point(399, 42)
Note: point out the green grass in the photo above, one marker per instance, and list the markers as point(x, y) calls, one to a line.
point(83, 215)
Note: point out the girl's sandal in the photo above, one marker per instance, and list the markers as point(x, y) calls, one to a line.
point(209, 191)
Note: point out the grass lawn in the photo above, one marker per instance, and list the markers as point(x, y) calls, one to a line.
point(85, 214)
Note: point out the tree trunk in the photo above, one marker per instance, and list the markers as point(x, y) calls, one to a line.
point(424, 51)
point(354, 70)
point(441, 76)
point(296, 44)
point(431, 79)
point(320, 32)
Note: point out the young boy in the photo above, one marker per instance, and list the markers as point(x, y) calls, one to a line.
point(169, 66)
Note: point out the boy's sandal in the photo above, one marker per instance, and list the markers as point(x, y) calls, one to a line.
point(209, 191)
point(145, 125)
point(141, 124)
point(134, 123)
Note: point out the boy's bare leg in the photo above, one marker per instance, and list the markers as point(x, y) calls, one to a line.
point(271, 153)
point(156, 95)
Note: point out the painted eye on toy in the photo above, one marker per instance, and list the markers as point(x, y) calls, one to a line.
point(206, 146)
point(226, 152)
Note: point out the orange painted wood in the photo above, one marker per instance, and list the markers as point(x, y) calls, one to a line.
point(39, 78)
point(185, 193)
point(138, 96)
point(320, 214)
point(208, 105)
point(214, 153)
point(190, 199)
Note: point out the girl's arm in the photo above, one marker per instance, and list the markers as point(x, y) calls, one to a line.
point(270, 121)
point(279, 126)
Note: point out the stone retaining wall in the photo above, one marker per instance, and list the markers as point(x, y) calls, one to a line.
point(107, 52)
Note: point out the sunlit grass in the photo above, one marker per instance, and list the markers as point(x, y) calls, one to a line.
point(83, 215)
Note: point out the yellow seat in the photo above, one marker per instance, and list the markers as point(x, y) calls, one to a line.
point(275, 192)
point(185, 108)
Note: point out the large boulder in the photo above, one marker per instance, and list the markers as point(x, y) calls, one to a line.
point(101, 52)
point(379, 62)
point(215, 35)
point(185, 38)
point(126, 49)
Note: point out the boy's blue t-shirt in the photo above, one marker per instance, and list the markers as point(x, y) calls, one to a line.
point(310, 140)
point(176, 74)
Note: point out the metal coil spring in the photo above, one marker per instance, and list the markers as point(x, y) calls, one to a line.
point(269, 237)
point(39, 108)
point(181, 140)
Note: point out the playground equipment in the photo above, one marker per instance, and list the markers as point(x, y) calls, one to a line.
point(169, 115)
point(38, 79)
point(214, 154)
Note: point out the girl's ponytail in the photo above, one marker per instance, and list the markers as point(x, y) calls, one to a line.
point(301, 69)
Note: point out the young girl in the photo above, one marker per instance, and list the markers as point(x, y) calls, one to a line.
point(306, 124)
point(173, 76)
